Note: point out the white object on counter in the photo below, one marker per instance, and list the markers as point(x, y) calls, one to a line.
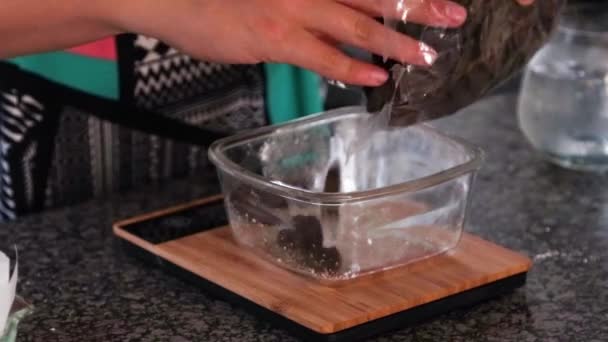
point(8, 286)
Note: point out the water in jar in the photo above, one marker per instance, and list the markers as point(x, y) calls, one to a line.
point(563, 105)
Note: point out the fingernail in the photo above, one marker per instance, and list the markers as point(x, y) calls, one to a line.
point(378, 77)
point(455, 12)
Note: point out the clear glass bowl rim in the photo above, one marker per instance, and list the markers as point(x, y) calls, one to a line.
point(220, 160)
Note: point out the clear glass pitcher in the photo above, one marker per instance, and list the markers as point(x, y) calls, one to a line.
point(563, 105)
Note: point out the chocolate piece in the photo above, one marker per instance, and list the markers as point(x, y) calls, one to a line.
point(305, 244)
point(497, 40)
point(308, 232)
point(332, 180)
point(332, 184)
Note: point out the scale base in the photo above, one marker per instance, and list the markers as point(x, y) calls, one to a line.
point(475, 271)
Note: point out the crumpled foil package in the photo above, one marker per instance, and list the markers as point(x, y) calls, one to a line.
point(497, 41)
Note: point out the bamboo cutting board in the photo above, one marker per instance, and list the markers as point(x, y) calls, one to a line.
point(194, 241)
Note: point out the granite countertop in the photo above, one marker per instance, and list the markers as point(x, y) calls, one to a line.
point(85, 288)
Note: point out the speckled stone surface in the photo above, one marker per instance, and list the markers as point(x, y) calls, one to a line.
point(86, 289)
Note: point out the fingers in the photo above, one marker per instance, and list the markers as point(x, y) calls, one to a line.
point(525, 2)
point(313, 54)
point(327, 39)
point(357, 29)
point(439, 13)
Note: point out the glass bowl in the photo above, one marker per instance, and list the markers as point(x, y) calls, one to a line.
point(329, 198)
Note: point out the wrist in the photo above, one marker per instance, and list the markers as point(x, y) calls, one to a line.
point(132, 16)
point(111, 15)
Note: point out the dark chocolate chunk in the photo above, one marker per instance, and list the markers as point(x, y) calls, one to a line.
point(332, 180)
point(333, 183)
point(308, 232)
point(305, 243)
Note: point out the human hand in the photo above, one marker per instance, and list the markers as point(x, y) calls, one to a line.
point(525, 2)
point(299, 32)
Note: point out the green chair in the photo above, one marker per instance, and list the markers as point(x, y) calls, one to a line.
point(292, 92)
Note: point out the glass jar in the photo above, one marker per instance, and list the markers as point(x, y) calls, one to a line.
point(563, 105)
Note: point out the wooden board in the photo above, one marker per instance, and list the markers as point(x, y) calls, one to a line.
point(211, 254)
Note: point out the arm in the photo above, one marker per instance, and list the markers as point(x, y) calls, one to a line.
point(299, 32)
point(30, 26)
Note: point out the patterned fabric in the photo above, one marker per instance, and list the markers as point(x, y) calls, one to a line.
point(88, 68)
point(169, 82)
point(55, 152)
point(23, 152)
point(103, 49)
point(164, 78)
